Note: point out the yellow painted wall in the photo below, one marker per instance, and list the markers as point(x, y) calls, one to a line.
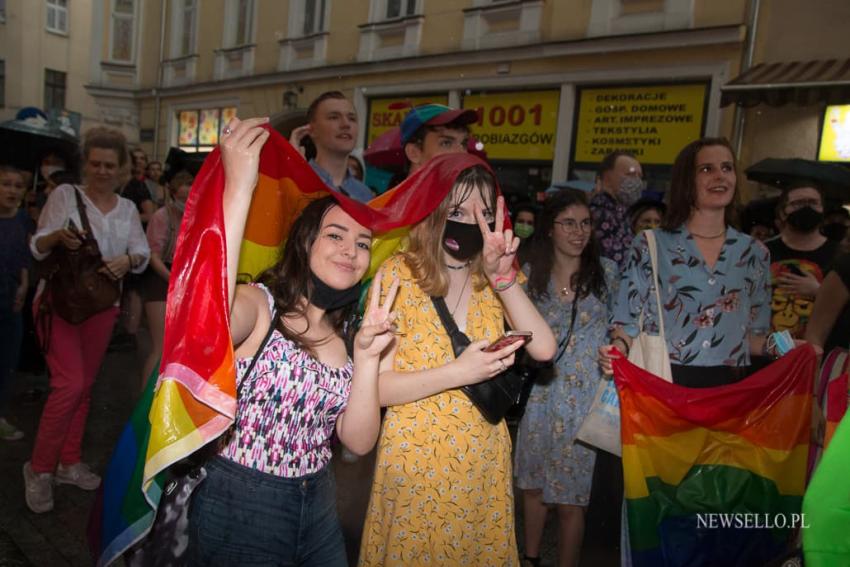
point(443, 27)
point(709, 13)
point(565, 20)
point(344, 39)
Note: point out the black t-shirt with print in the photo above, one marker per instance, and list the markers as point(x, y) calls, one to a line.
point(840, 335)
point(791, 311)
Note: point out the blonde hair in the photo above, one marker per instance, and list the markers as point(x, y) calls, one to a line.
point(424, 254)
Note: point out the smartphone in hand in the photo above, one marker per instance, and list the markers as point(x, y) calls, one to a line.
point(507, 339)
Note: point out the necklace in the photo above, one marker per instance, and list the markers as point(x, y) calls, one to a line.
point(462, 266)
point(712, 237)
point(460, 295)
point(565, 291)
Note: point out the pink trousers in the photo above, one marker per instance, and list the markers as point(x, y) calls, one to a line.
point(74, 356)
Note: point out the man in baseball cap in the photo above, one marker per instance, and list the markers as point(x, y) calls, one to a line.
point(434, 129)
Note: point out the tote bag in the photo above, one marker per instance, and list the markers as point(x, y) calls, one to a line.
point(601, 426)
point(650, 351)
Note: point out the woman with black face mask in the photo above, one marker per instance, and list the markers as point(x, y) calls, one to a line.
point(269, 496)
point(442, 491)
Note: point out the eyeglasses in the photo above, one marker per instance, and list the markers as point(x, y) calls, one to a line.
point(570, 226)
point(800, 203)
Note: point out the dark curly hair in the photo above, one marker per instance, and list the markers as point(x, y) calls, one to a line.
point(289, 279)
point(590, 277)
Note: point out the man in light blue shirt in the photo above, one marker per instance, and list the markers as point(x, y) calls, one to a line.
point(332, 125)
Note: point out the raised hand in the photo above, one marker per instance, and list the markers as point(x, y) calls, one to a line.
point(500, 246)
point(375, 332)
point(297, 137)
point(241, 142)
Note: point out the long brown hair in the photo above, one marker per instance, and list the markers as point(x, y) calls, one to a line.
point(590, 277)
point(682, 196)
point(289, 279)
point(424, 254)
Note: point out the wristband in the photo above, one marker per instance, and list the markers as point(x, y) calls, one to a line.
point(504, 282)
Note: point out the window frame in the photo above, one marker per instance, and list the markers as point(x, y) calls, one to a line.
point(233, 11)
point(54, 8)
point(320, 18)
point(53, 86)
point(179, 30)
point(2, 13)
point(114, 15)
point(198, 147)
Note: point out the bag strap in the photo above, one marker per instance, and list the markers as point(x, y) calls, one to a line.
point(562, 347)
point(254, 360)
point(81, 209)
point(459, 339)
point(653, 258)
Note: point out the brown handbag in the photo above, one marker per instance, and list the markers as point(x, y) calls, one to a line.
point(77, 290)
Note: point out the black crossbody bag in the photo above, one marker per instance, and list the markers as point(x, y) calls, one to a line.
point(493, 397)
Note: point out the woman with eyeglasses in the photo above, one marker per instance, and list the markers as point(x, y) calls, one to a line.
point(571, 285)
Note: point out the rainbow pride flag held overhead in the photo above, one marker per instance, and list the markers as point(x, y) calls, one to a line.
point(715, 476)
point(193, 402)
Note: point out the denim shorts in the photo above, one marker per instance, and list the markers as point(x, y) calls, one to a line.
point(240, 516)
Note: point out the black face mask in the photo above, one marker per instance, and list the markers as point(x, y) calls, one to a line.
point(834, 231)
point(805, 220)
point(463, 240)
point(328, 298)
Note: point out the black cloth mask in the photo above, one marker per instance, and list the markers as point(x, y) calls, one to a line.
point(805, 220)
point(463, 240)
point(329, 298)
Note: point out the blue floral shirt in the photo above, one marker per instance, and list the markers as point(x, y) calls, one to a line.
point(612, 228)
point(708, 313)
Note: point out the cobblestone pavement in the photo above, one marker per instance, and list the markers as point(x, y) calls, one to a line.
point(58, 538)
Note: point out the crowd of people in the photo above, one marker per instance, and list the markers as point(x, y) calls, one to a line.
point(575, 270)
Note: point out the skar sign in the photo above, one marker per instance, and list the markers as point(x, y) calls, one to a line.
point(652, 122)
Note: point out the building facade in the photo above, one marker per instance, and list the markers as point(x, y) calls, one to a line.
point(557, 83)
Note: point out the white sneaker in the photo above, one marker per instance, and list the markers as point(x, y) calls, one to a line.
point(38, 490)
point(9, 432)
point(79, 475)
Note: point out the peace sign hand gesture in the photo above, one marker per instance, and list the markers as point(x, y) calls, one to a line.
point(500, 245)
point(375, 332)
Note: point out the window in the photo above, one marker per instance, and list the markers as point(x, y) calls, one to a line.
point(199, 130)
point(2, 83)
point(54, 89)
point(183, 28)
point(2, 11)
point(314, 16)
point(244, 22)
point(400, 8)
point(57, 16)
point(123, 33)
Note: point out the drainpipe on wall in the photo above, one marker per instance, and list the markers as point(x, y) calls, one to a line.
point(159, 69)
point(740, 118)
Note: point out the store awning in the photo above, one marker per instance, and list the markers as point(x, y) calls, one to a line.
point(801, 82)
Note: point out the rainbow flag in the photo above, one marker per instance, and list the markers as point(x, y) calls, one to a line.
point(192, 401)
point(715, 476)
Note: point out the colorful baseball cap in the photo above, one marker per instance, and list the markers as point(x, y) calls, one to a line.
point(433, 115)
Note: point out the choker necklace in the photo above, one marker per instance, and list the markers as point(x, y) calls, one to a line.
point(462, 266)
point(712, 237)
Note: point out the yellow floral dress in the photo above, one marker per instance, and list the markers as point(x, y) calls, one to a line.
point(442, 492)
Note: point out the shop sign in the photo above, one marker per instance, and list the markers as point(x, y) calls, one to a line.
point(387, 113)
point(653, 122)
point(835, 136)
point(517, 125)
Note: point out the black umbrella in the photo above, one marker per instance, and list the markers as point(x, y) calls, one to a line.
point(782, 173)
point(24, 142)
